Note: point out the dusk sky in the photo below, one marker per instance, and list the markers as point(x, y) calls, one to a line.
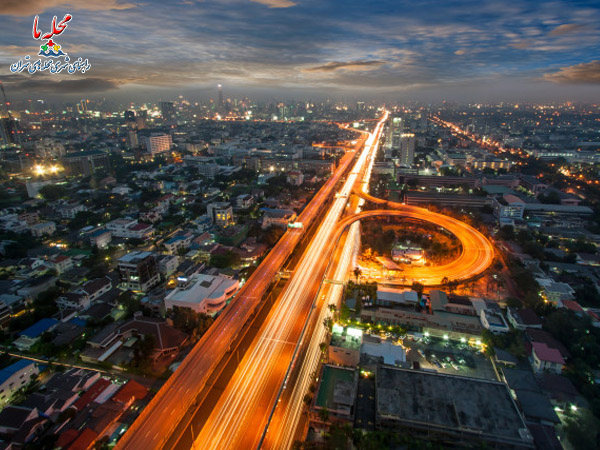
point(467, 50)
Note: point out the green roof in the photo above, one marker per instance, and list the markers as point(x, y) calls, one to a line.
point(330, 378)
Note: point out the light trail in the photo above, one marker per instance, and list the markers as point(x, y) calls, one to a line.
point(238, 418)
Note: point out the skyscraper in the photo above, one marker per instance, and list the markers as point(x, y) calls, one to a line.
point(167, 109)
point(407, 149)
point(220, 89)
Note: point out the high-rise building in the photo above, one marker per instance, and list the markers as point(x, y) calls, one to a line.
point(159, 143)
point(129, 117)
point(132, 139)
point(396, 128)
point(407, 149)
point(9, 132)
point(141, 119)
point(167, 110)
point(221, 102)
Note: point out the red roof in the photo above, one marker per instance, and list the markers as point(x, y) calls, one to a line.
point(140, 226)
point(84, 441)
point(91, 394)
point(545, 353)
point(67, 437)
point(572, 305)
point(130, 389)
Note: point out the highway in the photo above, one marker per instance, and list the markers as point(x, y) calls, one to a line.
point(283, 428)
point(241, 413)
point(181, 392)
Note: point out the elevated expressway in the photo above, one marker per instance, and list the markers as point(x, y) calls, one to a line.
point(175, 403)
point(242, 412)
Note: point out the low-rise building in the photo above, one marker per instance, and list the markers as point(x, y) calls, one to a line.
point(43, 229)
point(220, 213)
point(523, 318)
point(14, 377)
point(28, 337)
point(139, 271)
point(100, 238)
point(546, 359)
point(60, 263)
point(277, 217)
point(202, 293)
point(493, 321)
point(344, 346)
point(452, 410)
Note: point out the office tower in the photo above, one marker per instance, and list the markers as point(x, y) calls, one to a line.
point(396, 128)
point(167, 110)
point(132, 139)
point(129, 117)
point(141, 119)
point(221, 103)
point(407, 149)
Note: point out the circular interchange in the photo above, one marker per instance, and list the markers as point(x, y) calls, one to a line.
point(477, 252)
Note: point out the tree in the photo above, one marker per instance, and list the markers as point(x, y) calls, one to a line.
point(357, 273)
point(142, 350)
point(324, 414)
point(52, 192)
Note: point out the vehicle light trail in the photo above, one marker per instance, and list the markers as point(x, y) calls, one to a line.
point(241, 412)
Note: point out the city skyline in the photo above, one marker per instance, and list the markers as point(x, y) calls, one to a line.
point(457, 51)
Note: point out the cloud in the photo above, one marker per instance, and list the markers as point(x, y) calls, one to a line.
point(349, 65)
point(566, 29)
point(56, 87)
point(588, 73)
point(32, 7)
point(276, 3)
point(521, 45)
point(460, 52)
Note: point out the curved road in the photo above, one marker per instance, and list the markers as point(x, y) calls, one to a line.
point(477, 251)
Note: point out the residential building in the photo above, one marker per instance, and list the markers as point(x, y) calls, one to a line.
point(60, 263)
point(14, 377)
point(159, 143)
point(43, 229)
point(493, 321)
point(220, 213)
point(546, 359)
point(100, 238)
point(28, 337)
point(523, 318)
point(139, 271)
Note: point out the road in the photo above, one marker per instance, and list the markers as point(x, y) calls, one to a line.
point(180, 393)
point(241, 413)
point(287, 419)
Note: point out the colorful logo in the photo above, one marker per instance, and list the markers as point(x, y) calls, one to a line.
point(55, 59)
point(51, 48)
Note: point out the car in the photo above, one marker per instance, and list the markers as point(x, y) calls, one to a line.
point(437, 363)
point(444, 365)
point(455, 367)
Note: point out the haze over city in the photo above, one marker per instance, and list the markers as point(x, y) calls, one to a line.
point(299, 225)
point(459, 50)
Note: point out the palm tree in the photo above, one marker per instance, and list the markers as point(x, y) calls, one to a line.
point(357, 273)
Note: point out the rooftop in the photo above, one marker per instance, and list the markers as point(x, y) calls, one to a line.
point(38, 328)
point(200, 287)
point(423, 399)
point(9, 371)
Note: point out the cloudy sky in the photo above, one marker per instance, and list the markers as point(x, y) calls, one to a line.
point(472, 50)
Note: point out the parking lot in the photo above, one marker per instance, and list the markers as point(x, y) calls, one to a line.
point(450, 357)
